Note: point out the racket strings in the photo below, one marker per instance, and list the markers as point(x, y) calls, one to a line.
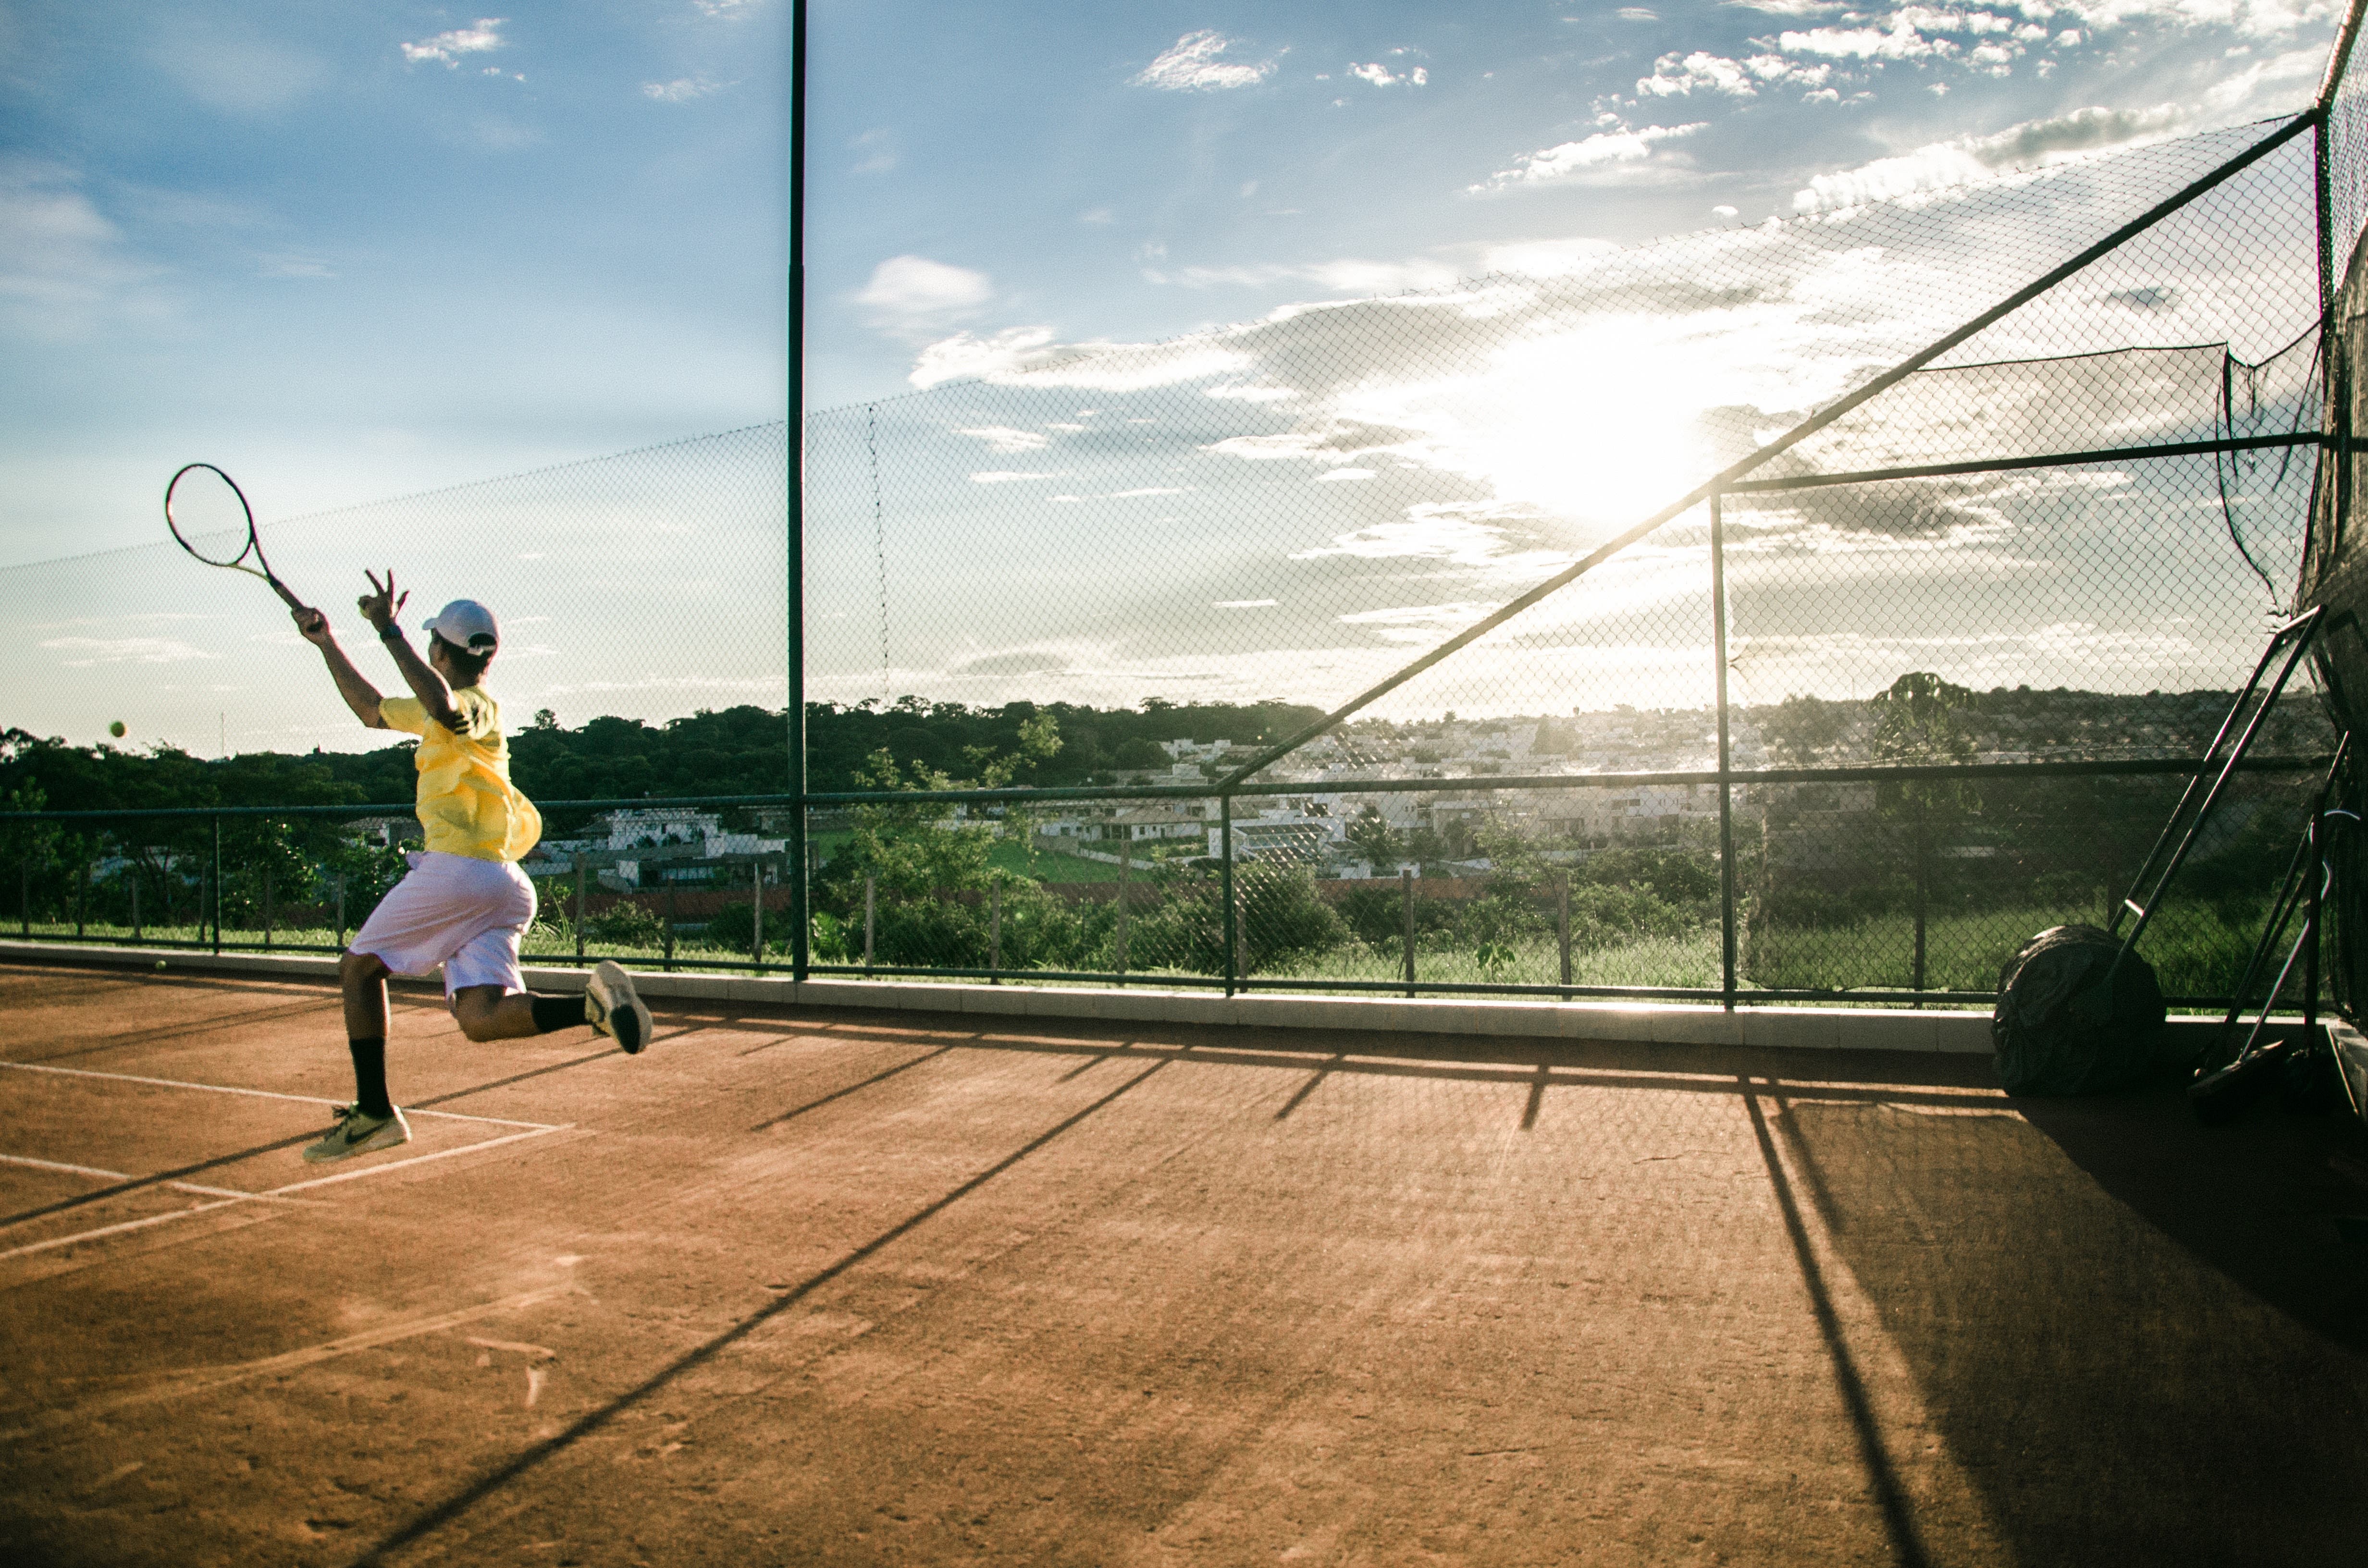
point(209, 518)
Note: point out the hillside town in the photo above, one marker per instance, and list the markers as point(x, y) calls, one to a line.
point(1353, 804)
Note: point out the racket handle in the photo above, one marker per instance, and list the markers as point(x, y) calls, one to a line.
point(287, 597)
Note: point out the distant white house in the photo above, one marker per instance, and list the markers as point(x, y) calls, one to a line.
point(1296, 837)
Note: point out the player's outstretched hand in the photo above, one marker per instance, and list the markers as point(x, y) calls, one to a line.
point(382, 606)
point(312, 625)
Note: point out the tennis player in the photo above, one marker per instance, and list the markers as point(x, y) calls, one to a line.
point(465, 904)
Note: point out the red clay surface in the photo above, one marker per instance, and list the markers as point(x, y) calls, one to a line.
point(843, 1287)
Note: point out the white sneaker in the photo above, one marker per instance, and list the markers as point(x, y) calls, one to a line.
point(356, 1133)
point(615, 1009)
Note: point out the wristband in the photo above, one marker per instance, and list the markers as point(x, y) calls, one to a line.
point(390, 633)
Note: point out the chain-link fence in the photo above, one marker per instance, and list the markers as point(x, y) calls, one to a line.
point(1810, 609)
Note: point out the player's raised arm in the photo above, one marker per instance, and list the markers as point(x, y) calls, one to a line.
point(380, 609)
point(360, 694)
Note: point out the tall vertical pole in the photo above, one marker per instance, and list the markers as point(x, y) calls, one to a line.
point(2323, 197)
point(1725, 756)
point(1406, 918)
point(217, 887)
point(1225, 879)
point(2316, 873)
point(795, 523)
point(1125, 864)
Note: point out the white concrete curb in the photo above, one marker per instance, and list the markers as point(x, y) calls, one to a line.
point(1830, 1029)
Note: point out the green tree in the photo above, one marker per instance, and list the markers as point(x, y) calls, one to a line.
point(1917, 724)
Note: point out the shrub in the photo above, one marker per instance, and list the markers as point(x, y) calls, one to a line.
point(625, 924)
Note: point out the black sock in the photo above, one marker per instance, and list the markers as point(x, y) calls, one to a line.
point(369, 1076)
point(557, 1013)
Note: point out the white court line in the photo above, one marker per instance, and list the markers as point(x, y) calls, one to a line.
point(126, 1225)
point(258, 1094)
point(122, 1175)
point(406, 1164)
point(280, 1193)
point(203, 1380)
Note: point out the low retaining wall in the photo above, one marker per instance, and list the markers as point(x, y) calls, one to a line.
point(1845, 1028)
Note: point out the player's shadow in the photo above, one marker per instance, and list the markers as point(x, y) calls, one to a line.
point(2140, 1340)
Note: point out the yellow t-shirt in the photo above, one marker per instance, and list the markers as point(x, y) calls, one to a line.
point(466, 800)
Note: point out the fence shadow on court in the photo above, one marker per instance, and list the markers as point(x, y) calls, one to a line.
point(2142, 1341)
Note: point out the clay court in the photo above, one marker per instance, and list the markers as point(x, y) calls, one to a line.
point(869, 1287)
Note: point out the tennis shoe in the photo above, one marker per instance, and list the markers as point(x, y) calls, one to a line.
point(615, 1009)
point(357, 1132)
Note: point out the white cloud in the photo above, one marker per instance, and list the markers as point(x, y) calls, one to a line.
point(92, 651)
point(913, 293)
point(1544, 258)
point(1343, 476)
point(879, 149)
point(1346, 276)
point(1382, 76)
point(1192, 64)
point(63, 266)
point(2295, 69)
point(964, 357)
point(295, 266)
point(1605, 150)
point(1241, 604)
point(2249, 19)
point(1703, 71)
point(1004, 438)
point(448, 46)
point(2036, 141)
point(682, 89)
point(1007, 476)
point(239, 75)
point(1903, 42)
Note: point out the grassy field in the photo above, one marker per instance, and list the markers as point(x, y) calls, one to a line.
point(2195, 952)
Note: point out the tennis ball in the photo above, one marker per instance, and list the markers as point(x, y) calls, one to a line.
point(160, 963)
point(116, 729)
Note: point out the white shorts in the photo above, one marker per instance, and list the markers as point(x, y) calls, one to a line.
point(465, 913)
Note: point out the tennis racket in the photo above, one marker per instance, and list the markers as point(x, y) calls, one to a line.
point(209, 516)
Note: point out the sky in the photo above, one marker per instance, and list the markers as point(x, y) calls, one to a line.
point(373, 250)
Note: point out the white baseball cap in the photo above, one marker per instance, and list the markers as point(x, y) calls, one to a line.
point(467, 625)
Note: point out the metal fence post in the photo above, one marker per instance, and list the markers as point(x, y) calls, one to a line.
point(135, 905)
point(217, 887)
point(794, 437)
point(579, 908)
point(667, 884)
point(1225, 881)
point(25, 897)
point(267, 908)
point(341, 910)
point(870, 907)
point(1562, 928)
point(756, 878)
point(1405, 914)
point(994, 934)
point(81, 898)
point(1727, 965)
point(1125, 863)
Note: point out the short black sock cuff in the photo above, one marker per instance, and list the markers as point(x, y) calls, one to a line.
point(369, 1074)
point(557, 1013)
